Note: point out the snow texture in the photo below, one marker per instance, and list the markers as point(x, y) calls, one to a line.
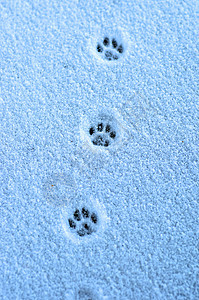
point(55, 85)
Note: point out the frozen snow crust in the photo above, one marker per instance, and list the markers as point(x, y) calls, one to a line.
point(99, 150)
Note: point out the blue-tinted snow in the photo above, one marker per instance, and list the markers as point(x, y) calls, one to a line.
point(52, 83)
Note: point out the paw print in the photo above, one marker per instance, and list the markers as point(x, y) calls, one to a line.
point(83, 222)
point(102, 134)
point(84, 219)
point(110, 49)
point(87, 293)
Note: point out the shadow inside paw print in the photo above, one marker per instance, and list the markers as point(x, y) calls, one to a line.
point(87, 294)
point(83, 222)
point(110, 49)
point(102, 134)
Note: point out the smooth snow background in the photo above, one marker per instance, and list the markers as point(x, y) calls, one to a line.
point(50, 82)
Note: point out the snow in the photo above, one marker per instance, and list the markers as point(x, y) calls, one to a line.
point(144, 185)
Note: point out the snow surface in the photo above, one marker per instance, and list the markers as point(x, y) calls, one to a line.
point(54, 84)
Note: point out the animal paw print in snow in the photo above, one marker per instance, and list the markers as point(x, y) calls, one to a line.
point(102, 134)
point(83, 222)
point(110, 49)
